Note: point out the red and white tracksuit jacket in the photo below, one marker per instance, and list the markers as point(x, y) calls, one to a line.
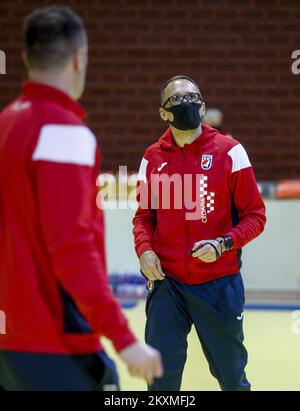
point(219, 196)
point(54, 294)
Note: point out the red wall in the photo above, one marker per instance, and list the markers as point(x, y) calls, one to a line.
point(238, 50)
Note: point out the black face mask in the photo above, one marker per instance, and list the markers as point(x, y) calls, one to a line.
point(186, 116)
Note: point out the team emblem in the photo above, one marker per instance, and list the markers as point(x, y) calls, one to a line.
point(206, 161)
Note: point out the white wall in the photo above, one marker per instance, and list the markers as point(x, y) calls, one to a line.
point(272, 261)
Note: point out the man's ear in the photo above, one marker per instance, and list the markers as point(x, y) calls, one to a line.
point(163, 114)
point(25, 59)
point(79, 59)
point(202, 110)
point(166, 115)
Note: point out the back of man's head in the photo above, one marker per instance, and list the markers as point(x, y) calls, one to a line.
point(51, 36)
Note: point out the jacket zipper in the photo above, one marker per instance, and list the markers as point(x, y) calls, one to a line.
point(184, 215)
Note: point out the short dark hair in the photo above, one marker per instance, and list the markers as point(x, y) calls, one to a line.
point(174, 78)
point(51, 35)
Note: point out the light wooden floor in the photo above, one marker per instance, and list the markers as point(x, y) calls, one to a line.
point(274, 354)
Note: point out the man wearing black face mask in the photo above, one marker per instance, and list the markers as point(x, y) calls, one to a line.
point(198, 206)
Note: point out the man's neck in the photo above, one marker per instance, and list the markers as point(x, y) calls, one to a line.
point(53, 81)
point(183, 137)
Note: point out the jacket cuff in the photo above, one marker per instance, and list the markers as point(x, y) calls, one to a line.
point(234, 237)
point(124, 340)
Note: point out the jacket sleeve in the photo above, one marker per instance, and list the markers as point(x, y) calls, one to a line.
point(246, 198)
point(144, 222)
point(65, 176)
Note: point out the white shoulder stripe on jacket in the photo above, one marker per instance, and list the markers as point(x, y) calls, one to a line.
point(239, 158)
point(142, 176)
point(68, 144)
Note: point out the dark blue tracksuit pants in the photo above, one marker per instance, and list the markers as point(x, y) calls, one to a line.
point(215, 308)
point(22, 371)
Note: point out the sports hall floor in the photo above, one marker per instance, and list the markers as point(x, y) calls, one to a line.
point(274, 353)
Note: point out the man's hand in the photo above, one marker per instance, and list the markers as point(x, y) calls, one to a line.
point(150, 266)
point(207, 253)
point(143, 361)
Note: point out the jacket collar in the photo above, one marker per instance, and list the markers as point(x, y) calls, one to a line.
point(43, 91)
point(167, 140)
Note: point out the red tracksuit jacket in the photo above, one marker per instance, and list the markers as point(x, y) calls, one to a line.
point(219, 180)
point(53, 280)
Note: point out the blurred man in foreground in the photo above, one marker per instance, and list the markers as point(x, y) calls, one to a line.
point(53, 281)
